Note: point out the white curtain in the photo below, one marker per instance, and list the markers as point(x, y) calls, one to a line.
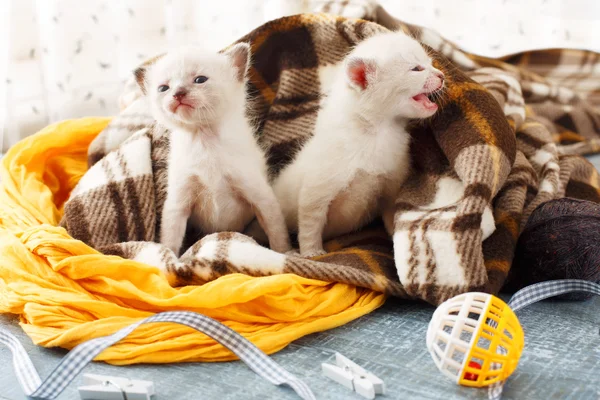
point(69, 58)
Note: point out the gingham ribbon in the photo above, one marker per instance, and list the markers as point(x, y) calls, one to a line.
point(74, 362)
point(538, 292)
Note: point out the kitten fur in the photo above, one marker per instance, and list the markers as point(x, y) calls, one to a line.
point(351, 170)
point(217, 173)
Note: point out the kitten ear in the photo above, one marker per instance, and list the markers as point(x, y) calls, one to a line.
point(239, 54)
point(141, 72)
point(140, 78)
point(361, 72)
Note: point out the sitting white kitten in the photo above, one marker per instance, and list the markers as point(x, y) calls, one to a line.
point(351, 170)
point(217, 173)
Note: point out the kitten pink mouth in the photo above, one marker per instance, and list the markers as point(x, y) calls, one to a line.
point(425, 102)
point(176, 107)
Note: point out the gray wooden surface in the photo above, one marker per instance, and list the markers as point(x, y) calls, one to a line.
point(561, 360)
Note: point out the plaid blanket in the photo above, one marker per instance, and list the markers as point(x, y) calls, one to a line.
point(501, 144)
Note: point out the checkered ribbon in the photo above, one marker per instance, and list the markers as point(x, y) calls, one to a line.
point(538, 292)
point(74, 362)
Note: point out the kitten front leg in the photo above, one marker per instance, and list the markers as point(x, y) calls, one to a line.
point(173, 223)
point(312, 216)
point(257, 192)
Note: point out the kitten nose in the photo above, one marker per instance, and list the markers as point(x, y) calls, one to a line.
point(440, 75)
point(180, 94)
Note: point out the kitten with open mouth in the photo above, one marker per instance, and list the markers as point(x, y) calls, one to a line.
point(351, 169)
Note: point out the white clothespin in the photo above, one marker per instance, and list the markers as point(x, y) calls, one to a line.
point(354, 377)
point(101, 387)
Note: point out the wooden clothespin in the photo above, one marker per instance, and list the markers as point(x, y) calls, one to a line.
point(354, 377)
point(101, 387)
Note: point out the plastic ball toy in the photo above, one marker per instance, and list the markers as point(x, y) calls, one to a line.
point(475, 339)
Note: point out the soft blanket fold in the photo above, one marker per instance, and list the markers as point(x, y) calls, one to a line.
point(480, 167)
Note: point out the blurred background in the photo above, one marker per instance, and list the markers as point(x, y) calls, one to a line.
point(64, 59)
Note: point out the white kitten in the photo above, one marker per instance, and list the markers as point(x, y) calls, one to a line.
point(217, 173)
point(351, 170)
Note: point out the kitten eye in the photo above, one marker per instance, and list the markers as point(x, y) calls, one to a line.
point(418, 68)
point(200, 79)
point(163, 88)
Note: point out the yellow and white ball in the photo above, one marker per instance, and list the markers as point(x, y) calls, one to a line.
point(475, 339)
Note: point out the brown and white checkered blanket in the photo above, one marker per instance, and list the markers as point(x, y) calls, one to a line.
point(490, 151)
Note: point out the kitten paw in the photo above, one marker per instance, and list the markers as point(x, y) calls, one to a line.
point(293, 253)
point(313, 253)
point(174, 249)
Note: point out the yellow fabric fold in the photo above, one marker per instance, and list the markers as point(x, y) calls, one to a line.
point(66, 293)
